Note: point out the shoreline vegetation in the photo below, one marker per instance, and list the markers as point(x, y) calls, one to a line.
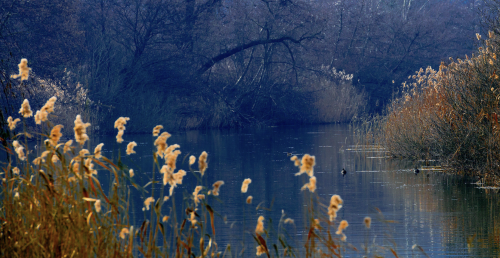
point(450, 114)
point(52, 203)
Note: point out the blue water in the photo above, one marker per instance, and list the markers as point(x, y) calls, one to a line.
point(444, 215)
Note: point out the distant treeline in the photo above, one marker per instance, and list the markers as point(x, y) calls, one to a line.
point(217, 63)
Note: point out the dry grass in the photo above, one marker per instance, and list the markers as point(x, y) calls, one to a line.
point(452, 115)
point(52, 204)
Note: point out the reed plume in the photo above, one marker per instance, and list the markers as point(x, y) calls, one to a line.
point(217, 185)
point(156, 130)
point(244, 186)
point(67, 146)
point(148, 202)
point(368, 222)
point(55, 134)
point(25, 110)
point(202, 162)
point(335, 205)
point(260, 225)
point(80, 130)
point(343, 225)
point(124, 232)
point(130, 148)
point(311, 185)
point(12, 123)
point(131, 172)
point(98, 151)
point(161, 144)
point(24, 70)
point(192, 160)
point(249, 199)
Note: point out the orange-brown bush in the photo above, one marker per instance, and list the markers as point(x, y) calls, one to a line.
point(452, 114)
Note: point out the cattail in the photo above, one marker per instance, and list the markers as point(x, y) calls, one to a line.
point(121, 122)
point(67, 146)
point(368, 222)
point(161, 143)
point(311, 185)
point(12, 123)
point(192, 160)
point(260, 225)
point(343, 225)
point(24, 70)
point(124, 232)
point(249, 199)
point(244, 186)
point(97, 205)
point(131, 172)
point(289, 221)
point(55, 134)
point(202, 162)
point(156, 130)
point(130, 147)
point(148, 202)
point(216, 186)
point(81, 130)
point(98, 151)
point(25, 110)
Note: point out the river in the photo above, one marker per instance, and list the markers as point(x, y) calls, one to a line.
point(444, 215)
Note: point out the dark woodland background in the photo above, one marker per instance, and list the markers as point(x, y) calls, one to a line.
point(224, 63)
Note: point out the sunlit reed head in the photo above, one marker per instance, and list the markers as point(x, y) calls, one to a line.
point(343, 225)
point(15, 170)
point(80, 130)
point(131, 173)
point(192, 160)
point(296, 161)
point(55, 158)
point(13, 123)
point(196, 193)
point(249, 199)
point(161, 144)
point(157, 129)
point(368, 222)
point(260, 250)
point(244, 186)
point(217, 185)
point(83, 152)
point(311, 185)
point(119, 136)
point(289, 221)
point(260, 225)
point(179, 176)
point(130, 147)
point(24, 70)
point(202, 162)
point(121, 122)
point(67, 146)
point(124, 232)
point(98, 151)
point(165, 218)
point(171, 156)
point(55, 134)
point(25, 110)
point(335, 205)
point(49, 105)
point(148, 202)
point(19, 150)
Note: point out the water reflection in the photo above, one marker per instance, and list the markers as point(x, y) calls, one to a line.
point(442, 214)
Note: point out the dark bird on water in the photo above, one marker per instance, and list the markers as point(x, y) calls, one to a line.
point(343, 172)
point(416, 171)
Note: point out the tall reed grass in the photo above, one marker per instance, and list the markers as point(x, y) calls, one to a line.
point(452, 114)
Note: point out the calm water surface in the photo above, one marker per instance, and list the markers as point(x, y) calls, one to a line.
point(444, 215)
